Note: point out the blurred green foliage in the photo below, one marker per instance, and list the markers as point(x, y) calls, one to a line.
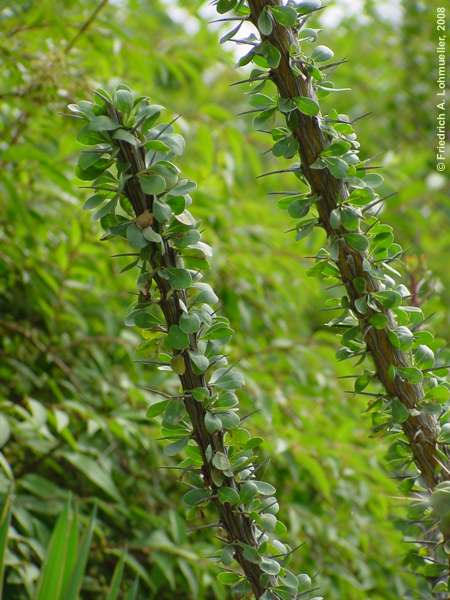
point(72, 410)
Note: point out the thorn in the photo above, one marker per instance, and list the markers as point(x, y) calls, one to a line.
point(160, 393)
point(224, 19)
point(367, 394)
point(249, 80)
point(294, 170)
point(250, 414)
point(335, 64)
point(282, 193)
point(420, 542)
point(208, 526)
point(375, 202)
point(248, 112)
point(308, 591)
point(167, 126)
point(288, 553)
point(243, 42)
point(436, 368)
point(147, 361)
point(361, 117)
point(193, 469)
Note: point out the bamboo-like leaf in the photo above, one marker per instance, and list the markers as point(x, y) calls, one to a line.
point(133, 591)
point(57, 561)
point(5, 517)
point(116, 581)
point(72, 589)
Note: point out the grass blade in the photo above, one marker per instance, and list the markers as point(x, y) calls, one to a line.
point(5, 518)
point(116, 581)
point(54, 569)
point(72, 589)
point(133, 591)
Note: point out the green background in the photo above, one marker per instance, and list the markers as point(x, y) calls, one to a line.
point(72, 412)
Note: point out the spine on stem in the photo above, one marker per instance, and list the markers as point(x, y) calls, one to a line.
point(141, 197)
point(339, 193)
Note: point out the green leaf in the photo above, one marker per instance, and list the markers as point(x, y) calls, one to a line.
point(299, 208)
point(230, 420)
point(176, 338)
point(362, 382)
point(179, 279)
point(5, 430)
point(271, 54)
point(400, 413)
point(349, 218)
point(102, 123)
point(135, 236)
point(224, 6)
point(265, 22)
point(72, 589)
point(156, 146)
point(388, 298)
point(176, 447)
point(444, 436)
point(230, 495)
point(200, 362)
point(125, 136)
point(337, 148)
point(109, 208)
point(401, 337)
point(285, 15)
point(337, 166)
point(221, 462)
point(307, 106)
point(357, 241)
point(228, 578)
point(93, 202)
point(151, 235)
point(97, 474)
point(322, 53)
point(227, 378)
point(161, 211)
point(335, 218)
point(219, 330)
point(383, 240)
point(424, 357)
point(152, 184)
point(5, 519)
point(379, 320)
point(410, 374)
point(206, 293)
point(176, 143)
point(114, 589)
point(156, 409)
point(248, 491)
point(123, 100)
point(196, 496)
point(306, 6)
point(270, 566)
point(212, 422)
point(190, 322)
point(264, 488)
point(440, 393)
point(61, 550)
point(374, 180)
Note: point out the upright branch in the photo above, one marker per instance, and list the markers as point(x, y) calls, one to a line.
point(141, 197)
point(339, 189)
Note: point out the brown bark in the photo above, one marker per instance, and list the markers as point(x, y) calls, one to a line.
point(421, 430)
point(238, 526)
